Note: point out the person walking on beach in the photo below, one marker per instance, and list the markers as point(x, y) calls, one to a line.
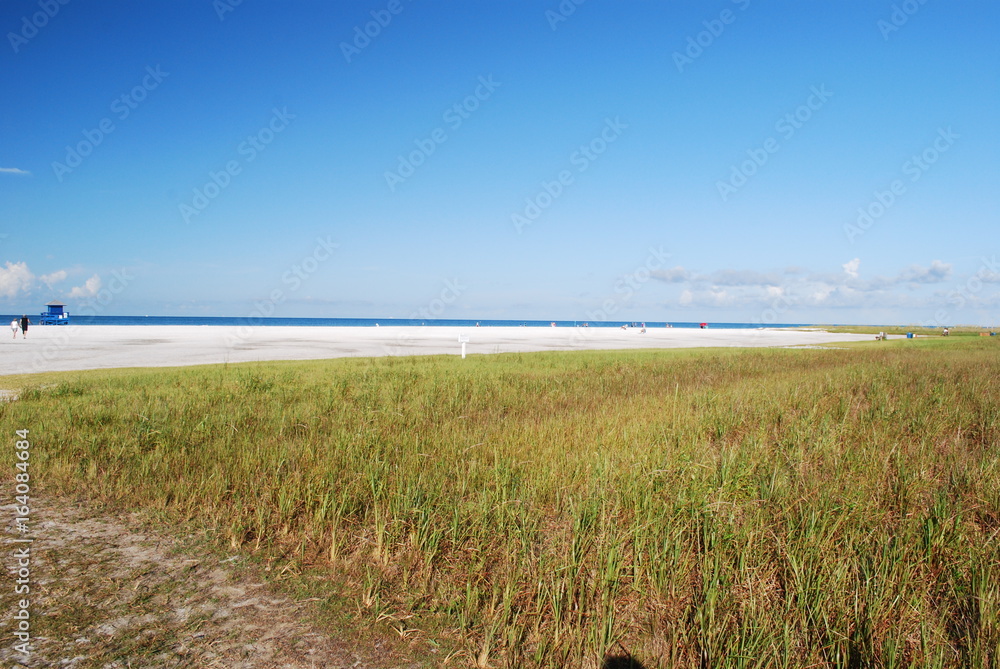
point(24, 326)
point(14, 327)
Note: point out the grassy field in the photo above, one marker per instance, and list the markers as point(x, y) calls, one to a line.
point(738, 508)
point(918, 330)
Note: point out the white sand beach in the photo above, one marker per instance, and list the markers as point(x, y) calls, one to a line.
point(77, 347)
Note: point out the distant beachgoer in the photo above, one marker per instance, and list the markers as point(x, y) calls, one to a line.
point(946, 332)
point(14, 327)
point(24, 326)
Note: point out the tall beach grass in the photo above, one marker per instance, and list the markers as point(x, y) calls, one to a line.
point(738, 508)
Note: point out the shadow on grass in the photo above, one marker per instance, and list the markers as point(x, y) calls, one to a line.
point(622, 662)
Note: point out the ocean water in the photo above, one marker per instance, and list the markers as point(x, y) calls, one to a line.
point(372, 322)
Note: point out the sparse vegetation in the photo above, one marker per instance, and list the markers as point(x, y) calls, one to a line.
point(917, 330)
point(743, 508)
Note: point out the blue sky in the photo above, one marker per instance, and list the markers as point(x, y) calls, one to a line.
point(681, 161)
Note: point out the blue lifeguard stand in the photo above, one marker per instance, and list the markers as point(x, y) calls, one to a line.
point(56, 315)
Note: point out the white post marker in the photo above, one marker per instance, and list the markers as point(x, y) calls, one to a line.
point(463, 340)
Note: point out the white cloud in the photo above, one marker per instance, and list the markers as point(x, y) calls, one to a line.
point(721, 297)
point(722, 277)
point(54, 277)
point(792, 291)
point(88, 289)
point(936, 273)
point(821, 293)
point(676, 275)
point(15, 278)
point(741, 277)
point(14, 170)
point(912, 276)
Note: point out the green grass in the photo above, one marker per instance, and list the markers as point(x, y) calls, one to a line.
point(918, 330)
point(744, 508)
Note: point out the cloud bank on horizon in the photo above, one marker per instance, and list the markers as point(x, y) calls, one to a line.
point(735, 161)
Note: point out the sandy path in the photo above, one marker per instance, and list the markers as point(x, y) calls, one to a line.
point(66, 348)
point(106, 594)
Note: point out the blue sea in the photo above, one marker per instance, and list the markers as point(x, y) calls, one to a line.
point(372, 322)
